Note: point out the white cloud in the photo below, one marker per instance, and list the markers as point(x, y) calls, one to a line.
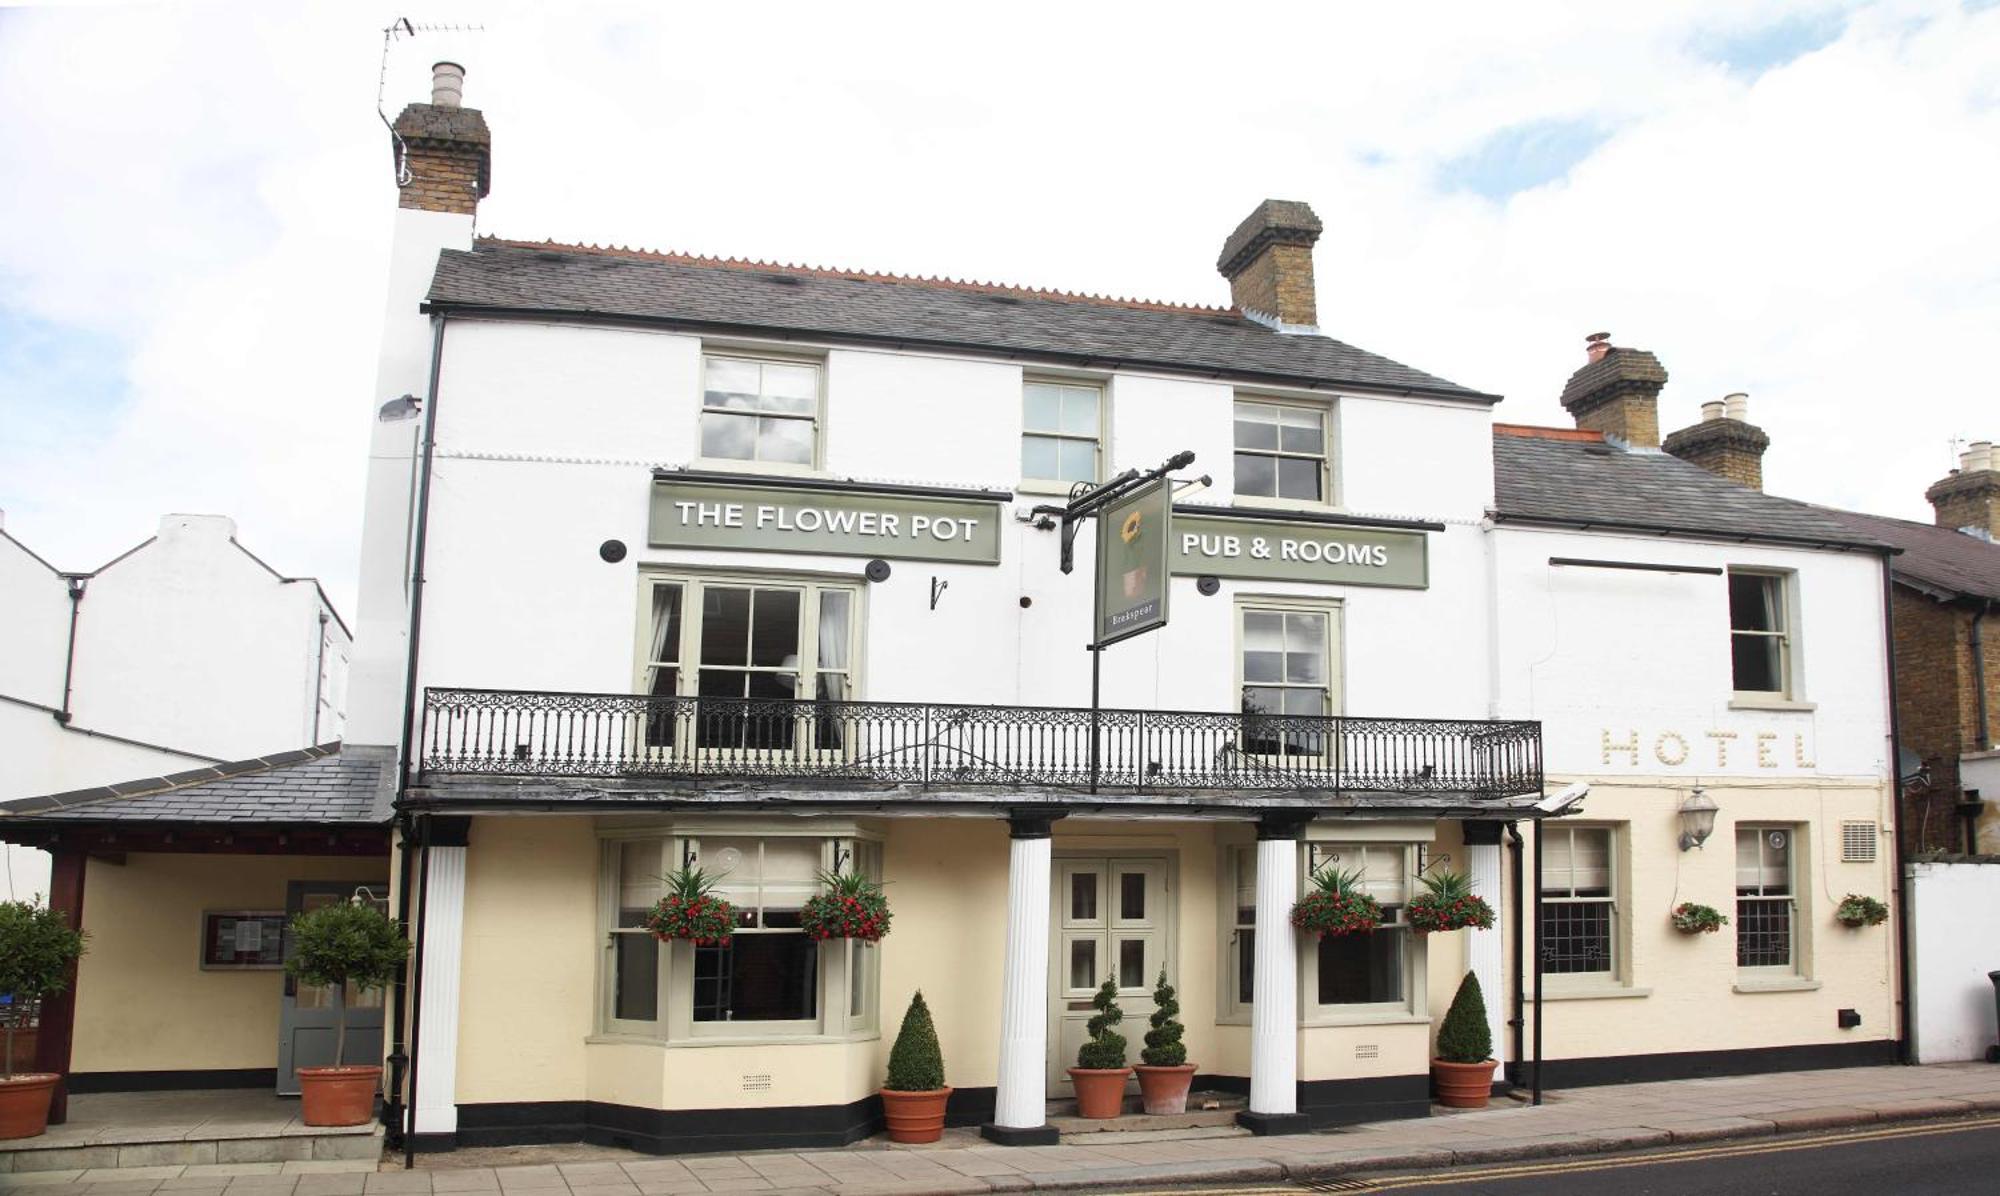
point(204, 192)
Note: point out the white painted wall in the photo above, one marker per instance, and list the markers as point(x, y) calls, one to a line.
point(187, 645)
point(1952, 948)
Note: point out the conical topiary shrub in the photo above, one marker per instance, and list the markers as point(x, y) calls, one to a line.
point(1164, 1072)
point(1164, 1047)
point(916, 1064)
point(914, 1093)
point(1463, 1069)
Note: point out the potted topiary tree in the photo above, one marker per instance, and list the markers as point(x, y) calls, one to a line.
point(335, 946)
point(1463, 1069)
point(1165, 1073)
point(914, 1094)
point(1100, 1072)
point(37, 951)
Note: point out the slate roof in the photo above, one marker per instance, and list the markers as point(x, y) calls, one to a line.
point(315, 785)
point(1936, 558)
point(709, 293)
point(1575, 479)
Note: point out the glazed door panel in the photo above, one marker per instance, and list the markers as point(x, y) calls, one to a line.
point(1109, 921)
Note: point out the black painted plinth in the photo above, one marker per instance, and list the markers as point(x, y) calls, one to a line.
point(1266, 1124)
point(1012, 1135)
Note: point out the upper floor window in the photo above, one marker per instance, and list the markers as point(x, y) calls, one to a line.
point(1286, 668)
point(763, 411)
point(1760, 638)
point(1062, 432)
point(1281, 451)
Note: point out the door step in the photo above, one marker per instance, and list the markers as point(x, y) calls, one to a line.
point(1209, 1115)
point(1114, 1133)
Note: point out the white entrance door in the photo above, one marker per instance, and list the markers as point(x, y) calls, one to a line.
point(1110, 921)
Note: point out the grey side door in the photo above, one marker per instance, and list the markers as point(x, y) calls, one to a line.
point(307, 1018)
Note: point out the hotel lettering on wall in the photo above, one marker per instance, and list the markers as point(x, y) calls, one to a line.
point(692, 513)
point(1709, 750)
point(1255, 549)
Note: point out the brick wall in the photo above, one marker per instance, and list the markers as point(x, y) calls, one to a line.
point(441, 181)
point(1937, 709)
point(1278, 283)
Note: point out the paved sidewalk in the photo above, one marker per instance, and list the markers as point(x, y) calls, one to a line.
point(1572, 1122)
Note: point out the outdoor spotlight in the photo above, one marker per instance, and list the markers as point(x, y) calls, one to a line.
point(1697, 818)
point(399, 408)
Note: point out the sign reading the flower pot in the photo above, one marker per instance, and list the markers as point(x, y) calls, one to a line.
point(862, 521)
point(1298, 550)
point(1134, 555)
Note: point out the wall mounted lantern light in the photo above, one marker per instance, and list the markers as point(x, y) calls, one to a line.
point(1697, 818)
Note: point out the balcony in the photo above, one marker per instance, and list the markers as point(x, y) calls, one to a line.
point(634, 737)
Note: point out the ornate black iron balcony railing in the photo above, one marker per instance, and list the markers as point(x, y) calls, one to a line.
point(525, 733)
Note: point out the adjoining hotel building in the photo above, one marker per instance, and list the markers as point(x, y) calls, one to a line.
point(674, 560)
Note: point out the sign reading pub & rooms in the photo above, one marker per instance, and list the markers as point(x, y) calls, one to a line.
point(1294, 550)
point(690, 513)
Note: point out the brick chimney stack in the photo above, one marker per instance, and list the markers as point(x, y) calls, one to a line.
point(1617, 392)
point(1268, 262)
point(1725, 442)
point(1968, 499)
point(445, 149)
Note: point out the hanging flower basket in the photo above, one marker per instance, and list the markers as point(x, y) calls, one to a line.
point(691, 912)
point(1855, 911)
point(852, 907)
point(1336, 906)
point(1690, 918)
point(1448, 903)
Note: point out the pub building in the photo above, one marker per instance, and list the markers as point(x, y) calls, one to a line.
point(673, 562)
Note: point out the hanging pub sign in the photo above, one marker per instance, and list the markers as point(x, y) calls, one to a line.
point(1254, 549)
point(1134, 561)
point(900, 523)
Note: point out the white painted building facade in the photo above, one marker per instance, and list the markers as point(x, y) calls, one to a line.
point(185, 651)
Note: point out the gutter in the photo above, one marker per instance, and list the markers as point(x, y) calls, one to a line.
point(417, 555)
point(1711, 534)
point(1085, 360)
point(73, 729)
point(1898, 891)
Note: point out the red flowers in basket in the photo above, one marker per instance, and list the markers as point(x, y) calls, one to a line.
point(1448, 903)
point(852, 907)
point(1336, 906)
point(691, 911)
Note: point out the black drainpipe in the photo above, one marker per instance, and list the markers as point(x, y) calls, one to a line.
point(406, 981)
point(417, 983)
point(393, 1109)
point(1538, 961)
point(76, 582)
point(1982, 739)
point(319, 674)
point(1514, 843)
point(1899, 894)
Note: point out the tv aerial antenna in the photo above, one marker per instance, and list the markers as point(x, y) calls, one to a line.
point(399, 28)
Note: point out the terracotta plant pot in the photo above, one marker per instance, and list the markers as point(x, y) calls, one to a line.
point(338, 1095)
point(1463, 1085)
point(1100, 1091)
point(1165, 1089)
point(915, 1116)
point(24, 1104)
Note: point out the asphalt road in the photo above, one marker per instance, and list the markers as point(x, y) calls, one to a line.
point(1936, 1159)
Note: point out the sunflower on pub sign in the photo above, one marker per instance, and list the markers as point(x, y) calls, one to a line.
point(1130, 534)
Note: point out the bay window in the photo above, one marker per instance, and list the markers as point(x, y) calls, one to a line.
point(1371, 969)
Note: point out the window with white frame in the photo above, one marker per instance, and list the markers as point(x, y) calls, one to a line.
point(1766, 898)
point(1365, 969)
point(760, 410)
point(771, 978)
point(1062, 432)
point(1578, 933)
point(742, 641)
point(1760, 638)
point(1239, 984)
point(1285, 667)
point(1281, 450)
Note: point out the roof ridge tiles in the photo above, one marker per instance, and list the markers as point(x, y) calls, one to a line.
point(858, 275)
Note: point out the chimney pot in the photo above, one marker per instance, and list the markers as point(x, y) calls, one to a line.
point(1617, 393)
point(447, 84)
point(1268, 262)
point(1596, 345)
point(1711, 410)
point(1982, 454)
point(1736, 406)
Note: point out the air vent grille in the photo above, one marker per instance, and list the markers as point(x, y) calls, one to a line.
point(1857, 842)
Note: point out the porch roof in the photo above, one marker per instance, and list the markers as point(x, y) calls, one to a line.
point(321, 786)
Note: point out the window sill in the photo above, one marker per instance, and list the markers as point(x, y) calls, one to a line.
point(1261, 502)
point(1335, 1022)
point(1797, 984)
point(1754, 702)
point(1059, 489)
point(1607, 992)
point(753, 1040)
point(771, 468)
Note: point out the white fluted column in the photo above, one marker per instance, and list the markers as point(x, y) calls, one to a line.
point(1482, 947)
point(442, 930)
point(1274, 1008)
point(1020, 1104)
